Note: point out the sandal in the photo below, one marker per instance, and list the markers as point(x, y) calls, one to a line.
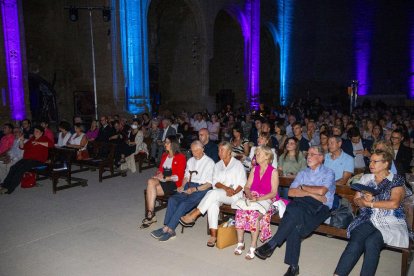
point(239, 249)
point(187, 221)
point(250, 255)
point(211, 242)
point(150, 219)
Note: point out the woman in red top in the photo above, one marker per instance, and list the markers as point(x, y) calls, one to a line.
point(36, 151)
point(168, 178)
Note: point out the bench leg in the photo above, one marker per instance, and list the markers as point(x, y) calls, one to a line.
point(101, 171)
point(404, 262)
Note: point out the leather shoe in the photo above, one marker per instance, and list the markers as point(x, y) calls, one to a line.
point(263, 252)
point(292, 271)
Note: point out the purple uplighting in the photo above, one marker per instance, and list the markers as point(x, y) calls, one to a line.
point(411, 77)
point(11, 32)
point(249, 20)
point(362, 43)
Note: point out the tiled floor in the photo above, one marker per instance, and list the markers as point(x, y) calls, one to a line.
point(94, 231)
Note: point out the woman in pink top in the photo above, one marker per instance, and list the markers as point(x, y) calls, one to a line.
point(92, 133)
point(261, 186)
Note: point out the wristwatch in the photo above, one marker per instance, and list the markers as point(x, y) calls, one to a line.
point(196, 188)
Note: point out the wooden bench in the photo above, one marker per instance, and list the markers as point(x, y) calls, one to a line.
point(47, 170)
point(324, 229)
point(100, 162)
point(143, 159)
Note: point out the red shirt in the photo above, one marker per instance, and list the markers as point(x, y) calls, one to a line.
point(6, 143)
point(177, 168)
point(37, 152)
point(49, 134)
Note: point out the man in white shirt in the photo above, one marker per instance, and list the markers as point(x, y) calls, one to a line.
point(229, 179)
point(197, 181)
point(199, 123)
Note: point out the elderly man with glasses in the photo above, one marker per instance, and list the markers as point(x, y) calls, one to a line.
point(313, 192)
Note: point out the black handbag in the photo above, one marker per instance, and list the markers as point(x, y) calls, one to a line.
point(343, 215)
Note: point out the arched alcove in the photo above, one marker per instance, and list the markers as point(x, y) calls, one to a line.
point(269, 68)
point(226, 66)
point(174, 55)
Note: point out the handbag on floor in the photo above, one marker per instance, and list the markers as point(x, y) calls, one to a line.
point(28, 180)
point(226, 236)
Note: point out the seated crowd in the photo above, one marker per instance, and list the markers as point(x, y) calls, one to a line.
point(317, 148)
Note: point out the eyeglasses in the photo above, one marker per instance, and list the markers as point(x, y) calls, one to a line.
point(394, 137)
point(167, 142)
point(314, 154)
point(376, 161)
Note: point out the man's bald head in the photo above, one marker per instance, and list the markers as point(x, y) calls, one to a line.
point(204, 136)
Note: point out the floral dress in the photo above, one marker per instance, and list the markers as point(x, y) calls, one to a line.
point(246, 219)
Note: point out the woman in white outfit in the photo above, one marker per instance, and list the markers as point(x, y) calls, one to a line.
point(78, 139)
point(229, 178)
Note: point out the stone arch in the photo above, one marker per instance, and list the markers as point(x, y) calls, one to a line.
point(227, 80)
point(177, 49)
point(269, 68)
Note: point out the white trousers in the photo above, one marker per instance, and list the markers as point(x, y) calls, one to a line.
point(211, 203)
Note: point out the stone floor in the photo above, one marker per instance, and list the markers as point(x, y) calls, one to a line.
point(94, 231)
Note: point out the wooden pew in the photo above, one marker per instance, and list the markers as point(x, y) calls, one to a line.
point(333, 232)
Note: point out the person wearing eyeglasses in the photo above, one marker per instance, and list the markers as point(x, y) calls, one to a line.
point(312, 194)
point(197, 182)
point(381, 218)
point(402, 154)
point(167, 179)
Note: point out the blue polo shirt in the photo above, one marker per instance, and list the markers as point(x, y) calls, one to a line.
point(344, 163)
point(321, 176)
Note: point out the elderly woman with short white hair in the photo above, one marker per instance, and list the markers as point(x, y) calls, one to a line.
point(229, 178)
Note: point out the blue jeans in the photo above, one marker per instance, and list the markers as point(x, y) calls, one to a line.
point(180, 204)
point(366, 239)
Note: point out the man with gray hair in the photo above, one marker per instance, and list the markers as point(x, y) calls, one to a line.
point(12, 156)
point(313, 192)
point(197, 181)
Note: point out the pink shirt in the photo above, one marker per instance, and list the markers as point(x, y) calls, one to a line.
point(6, 143)
point(262, 185)
point(49, 134)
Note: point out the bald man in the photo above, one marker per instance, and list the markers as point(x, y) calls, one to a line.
point(210, 148)
point(197, 181)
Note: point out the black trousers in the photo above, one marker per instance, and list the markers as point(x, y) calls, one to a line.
point(302, 217)
point(16, 172)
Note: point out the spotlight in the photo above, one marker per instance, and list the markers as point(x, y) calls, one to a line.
point(73, 14)
point(106, 14)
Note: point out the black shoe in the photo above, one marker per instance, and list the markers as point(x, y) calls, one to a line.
point(292, 271)
point(265, 251)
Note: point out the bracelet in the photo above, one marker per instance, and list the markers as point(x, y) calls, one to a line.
point(301, 187)
point(196, 188)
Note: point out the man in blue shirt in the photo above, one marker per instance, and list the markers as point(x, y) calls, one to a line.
point(341, 163)
point(313, 192)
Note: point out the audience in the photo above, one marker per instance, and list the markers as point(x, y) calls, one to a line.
point(229, 179)
point(197, 182)
point(240, 145)
point(6, 142)
point(312, 191)
point(36, 151)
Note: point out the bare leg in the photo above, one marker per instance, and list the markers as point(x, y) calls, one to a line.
point(153, 189)
point(240, 235)
point(213, 238)
point(192, 216)
point(255, 234)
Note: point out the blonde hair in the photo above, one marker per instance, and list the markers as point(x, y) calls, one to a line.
point(267, 152)
point(387, 146)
